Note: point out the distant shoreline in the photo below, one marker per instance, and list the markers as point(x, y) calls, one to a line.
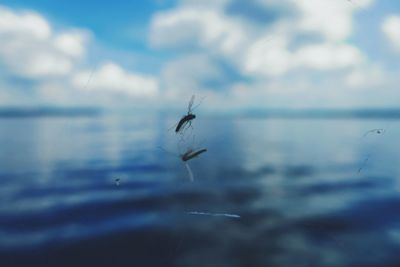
point(324, 114)
point(48, 112)
point(390, 114)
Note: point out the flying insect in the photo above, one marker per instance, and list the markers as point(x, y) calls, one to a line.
point(187, 119)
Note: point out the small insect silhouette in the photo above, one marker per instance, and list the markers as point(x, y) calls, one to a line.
point(190, 154)
point(187, 119)
point(185, 157)
point(377, 131)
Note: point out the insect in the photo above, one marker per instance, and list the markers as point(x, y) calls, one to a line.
point(190, 154)
point(190, 151)
point(378, 131)
point(185, 157)
point(187, 119)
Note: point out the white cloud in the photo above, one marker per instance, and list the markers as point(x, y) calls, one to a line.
point(52, 61)
point(31, 49)
point(365, 76)
point(327, 56)
point(268, 57)
point(266, 52)
point(391, 27)
point(71, 43)
point(208, 28)
point(24, 23)
point(113, 78)
point(270, 63)
point(276, 59)
point(185, 75)
point(331, 18)
point(323, 65)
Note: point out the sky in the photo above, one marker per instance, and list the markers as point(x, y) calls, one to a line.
point(236, 54)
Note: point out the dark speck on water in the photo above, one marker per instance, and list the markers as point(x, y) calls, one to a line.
point(274, 191)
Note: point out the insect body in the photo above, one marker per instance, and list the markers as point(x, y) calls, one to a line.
point(188, 155)
point(192, 154)
point(187, 119)
point(377, 131)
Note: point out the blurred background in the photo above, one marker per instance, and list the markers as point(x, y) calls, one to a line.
point(296, 103)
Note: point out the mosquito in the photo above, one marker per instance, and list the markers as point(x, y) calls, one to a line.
point(187, 119)
point(188, 155)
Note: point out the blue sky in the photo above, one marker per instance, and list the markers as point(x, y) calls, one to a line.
point(244, 54)
point(111, 23)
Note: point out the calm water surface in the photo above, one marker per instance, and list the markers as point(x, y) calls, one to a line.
point(295, 184)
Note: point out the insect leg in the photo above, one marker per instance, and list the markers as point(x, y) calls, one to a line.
point(184, 128)
point(190, 127)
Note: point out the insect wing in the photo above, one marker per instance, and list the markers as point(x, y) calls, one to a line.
point(191, 104)
point(198, 104)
